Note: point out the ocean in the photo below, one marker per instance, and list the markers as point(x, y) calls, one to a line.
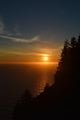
point(16, 78)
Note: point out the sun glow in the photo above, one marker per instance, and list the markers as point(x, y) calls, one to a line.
point(45, 58)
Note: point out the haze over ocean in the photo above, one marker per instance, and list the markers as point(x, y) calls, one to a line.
point(17, 78)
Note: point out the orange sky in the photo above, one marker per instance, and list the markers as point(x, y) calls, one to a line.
point(26, 57)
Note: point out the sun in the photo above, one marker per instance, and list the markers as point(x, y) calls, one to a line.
point(45, 58)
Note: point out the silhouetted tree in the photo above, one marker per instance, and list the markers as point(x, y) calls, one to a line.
point(46, 87)
point(79, 40)
point(68, 72)
point(73, 42)
point(22, 104)
point(63, 54)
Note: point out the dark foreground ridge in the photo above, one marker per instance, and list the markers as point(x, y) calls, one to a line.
point(62, 100)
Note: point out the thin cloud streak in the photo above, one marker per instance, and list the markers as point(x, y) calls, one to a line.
point(20, 40)
point(22, 53)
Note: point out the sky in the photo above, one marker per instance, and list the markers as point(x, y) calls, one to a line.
point(31, 28)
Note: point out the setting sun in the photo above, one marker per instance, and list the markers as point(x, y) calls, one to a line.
point(45, 58)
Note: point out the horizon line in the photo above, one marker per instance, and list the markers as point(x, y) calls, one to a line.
point(34, 63)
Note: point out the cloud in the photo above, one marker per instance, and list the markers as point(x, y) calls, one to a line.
point(1, 26)
point(19, 53)
point(20, 40)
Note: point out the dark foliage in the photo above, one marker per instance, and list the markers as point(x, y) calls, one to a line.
point(62, 99)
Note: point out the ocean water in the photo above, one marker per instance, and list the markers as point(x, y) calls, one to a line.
point(15, 79)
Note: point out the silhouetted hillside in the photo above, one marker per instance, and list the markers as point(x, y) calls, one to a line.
point(63, 98)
